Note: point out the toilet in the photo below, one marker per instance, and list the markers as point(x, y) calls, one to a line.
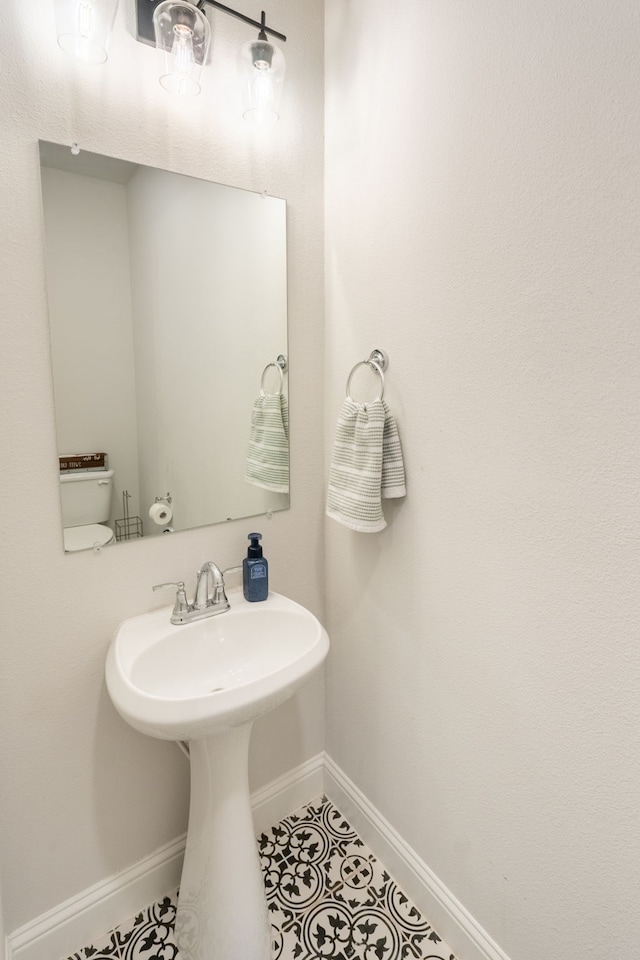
point(86, 504)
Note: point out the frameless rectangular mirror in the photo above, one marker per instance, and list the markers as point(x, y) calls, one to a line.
point(168, 313)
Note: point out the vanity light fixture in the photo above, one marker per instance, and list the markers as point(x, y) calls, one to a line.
point(180, 29)
point(84, 26)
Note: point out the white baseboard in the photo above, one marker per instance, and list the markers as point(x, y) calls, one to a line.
point(445, 913)
point(80, 920)
point(281, 797)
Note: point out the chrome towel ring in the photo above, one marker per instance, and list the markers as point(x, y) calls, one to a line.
point(281, 366)
point(378, 361)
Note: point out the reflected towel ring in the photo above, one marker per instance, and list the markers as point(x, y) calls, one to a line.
point(280, 368)
point(366, 363)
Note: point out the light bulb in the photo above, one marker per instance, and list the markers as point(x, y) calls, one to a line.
point(182, 60)
point(84, 20)
point(261, 96)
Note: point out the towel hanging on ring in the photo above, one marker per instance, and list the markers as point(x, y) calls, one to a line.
point(268, 454)
point(367, 462)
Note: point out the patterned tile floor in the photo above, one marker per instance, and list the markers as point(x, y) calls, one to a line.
point(329, 899)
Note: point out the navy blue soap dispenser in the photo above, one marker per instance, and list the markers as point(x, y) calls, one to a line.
point(255, 571)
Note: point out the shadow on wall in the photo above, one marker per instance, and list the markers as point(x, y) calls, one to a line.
point(116, 786)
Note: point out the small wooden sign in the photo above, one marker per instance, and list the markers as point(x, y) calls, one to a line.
point(84, 461)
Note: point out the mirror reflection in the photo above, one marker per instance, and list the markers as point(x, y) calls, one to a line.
point(168, 315)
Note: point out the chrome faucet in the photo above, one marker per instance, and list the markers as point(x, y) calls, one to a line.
point(204, 604)
point(210, 571)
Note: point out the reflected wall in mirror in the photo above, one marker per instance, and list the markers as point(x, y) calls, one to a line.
point(167, 302)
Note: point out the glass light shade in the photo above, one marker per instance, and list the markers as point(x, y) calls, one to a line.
point(84, 27)
point(262, 68)
point(183, 35)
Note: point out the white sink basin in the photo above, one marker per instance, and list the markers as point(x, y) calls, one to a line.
point(195, 680)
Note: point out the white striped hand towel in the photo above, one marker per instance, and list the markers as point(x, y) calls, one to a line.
point(355, 478)
point(268, 456)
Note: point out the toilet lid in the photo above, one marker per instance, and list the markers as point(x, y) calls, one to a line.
point(85, 537)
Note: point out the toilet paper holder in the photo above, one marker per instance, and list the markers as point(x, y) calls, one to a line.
point(161, 511)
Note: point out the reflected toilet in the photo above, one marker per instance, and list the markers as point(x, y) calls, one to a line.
point(86, 504)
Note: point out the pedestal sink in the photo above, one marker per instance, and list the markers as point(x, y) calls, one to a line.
point(206, 682)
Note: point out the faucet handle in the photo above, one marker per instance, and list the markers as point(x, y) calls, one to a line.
point(170, 583)
point(181, 605)
point(219, 595)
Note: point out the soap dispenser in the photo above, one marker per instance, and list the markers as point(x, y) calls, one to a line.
point(255, 571)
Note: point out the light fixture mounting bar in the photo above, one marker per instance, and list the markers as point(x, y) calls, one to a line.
point(260, 24)
point(145, 10)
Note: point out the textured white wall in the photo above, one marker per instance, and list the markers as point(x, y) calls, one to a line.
point(482, 225)
point(82, 794)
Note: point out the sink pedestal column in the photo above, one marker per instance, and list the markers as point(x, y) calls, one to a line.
point(222, 908)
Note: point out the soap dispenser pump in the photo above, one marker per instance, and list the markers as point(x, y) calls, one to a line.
point(255, 571)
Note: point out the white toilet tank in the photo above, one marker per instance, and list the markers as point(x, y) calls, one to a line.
point(86, 497)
